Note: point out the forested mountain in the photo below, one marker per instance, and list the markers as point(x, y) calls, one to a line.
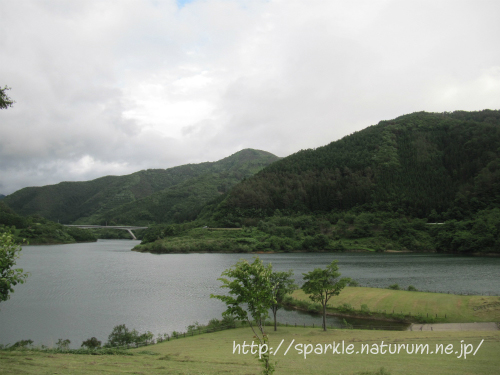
point(151, 195)
point(438, 165)
point(2, 196)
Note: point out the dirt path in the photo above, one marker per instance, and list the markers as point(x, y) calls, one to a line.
point(455, 327)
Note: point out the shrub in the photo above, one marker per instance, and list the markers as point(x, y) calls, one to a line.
point(394, 287)
point(365, 309)
point(411, 288)
point(91, 343)
point(381, 371)
point(63, 344)
point(353, 283)
point(345, 307)
point(22, 344)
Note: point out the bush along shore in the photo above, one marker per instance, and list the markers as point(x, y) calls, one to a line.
point(122, 338)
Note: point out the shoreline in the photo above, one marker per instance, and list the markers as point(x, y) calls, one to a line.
point(344, 315)
point(320, 252)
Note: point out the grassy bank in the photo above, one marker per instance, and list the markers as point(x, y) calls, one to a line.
point(213, 354)
point(382, 302)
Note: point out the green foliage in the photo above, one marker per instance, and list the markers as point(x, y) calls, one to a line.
point(283, 284)
point(91, 343)
point(120, 336)
point(5, 101)
point(322, 284)
point(345, 307)
point(365, 309)
point(353, 283)
point(80, 235)
point(63, 345)
point(411, 288)
point(252, 292)
point(22, 344)
point(381, 371)
point(40, 230)
point(479, 234)
point(9, 276)
point(157, 232)
point(394, 287)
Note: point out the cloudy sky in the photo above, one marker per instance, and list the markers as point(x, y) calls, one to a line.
point(115, 86)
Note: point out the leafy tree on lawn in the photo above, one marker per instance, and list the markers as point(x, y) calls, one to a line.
point(251, 295)
point(9, 276)
point(283, 285)
point(322, 284)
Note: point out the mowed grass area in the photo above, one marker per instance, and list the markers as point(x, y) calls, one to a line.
point(458, 309)
point(213, 354)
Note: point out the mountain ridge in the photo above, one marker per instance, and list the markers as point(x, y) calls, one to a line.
point(416, 163)
point(90, 200)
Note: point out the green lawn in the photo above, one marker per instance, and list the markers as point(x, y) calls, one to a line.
point(458, 309)
point(213, 354)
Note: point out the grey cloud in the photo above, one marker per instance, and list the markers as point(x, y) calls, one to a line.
point(278, 76)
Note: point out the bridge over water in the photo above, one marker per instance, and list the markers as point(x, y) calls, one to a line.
point(124, 227)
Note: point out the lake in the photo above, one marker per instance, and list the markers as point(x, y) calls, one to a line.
point(82, 290)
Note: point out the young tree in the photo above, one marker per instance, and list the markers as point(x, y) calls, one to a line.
point(9, 277)
point(283, 285)
point(251, 295)
point(5, 101)
point(322, 284)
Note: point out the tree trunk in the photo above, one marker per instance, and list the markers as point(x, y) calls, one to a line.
point(274, 313)
point(324, 317)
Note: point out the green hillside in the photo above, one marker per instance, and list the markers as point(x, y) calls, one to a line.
point(147, 196)
point(376, 189)
point(416, 164)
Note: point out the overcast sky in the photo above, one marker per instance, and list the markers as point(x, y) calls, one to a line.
point(113, 87)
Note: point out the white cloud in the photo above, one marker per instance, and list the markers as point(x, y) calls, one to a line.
point(106, 87)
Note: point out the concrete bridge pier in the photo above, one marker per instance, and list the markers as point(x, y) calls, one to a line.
point(132, 234)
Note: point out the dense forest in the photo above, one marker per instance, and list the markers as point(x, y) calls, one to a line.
point(154, 195)
point(389, 186)
point(423, 164)
point(35, 229)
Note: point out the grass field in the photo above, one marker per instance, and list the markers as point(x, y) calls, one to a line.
point(213, 354)
point(458, 309)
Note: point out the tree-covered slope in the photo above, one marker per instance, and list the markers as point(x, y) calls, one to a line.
point(122, 198)
point(422, 164)
point(38, 230)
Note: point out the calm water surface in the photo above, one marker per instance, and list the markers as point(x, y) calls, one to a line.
point(82, 290)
